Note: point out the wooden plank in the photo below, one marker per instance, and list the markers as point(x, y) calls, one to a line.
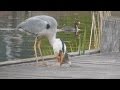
point(84, 66)
point(49, 57)
point(25, 60)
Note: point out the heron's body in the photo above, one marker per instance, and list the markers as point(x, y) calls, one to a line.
point(41, 26)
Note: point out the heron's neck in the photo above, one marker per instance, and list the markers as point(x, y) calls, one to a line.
point(52, 39)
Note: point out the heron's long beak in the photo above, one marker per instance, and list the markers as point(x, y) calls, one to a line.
point(20, 29)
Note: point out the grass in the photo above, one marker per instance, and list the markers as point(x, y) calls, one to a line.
point(71, 41)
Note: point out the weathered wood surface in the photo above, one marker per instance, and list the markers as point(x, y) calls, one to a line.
point(49, 57)
point(97, 66)
point(110, 40)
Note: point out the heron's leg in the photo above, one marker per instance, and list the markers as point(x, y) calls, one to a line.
point(35, 49)
point(39, 47)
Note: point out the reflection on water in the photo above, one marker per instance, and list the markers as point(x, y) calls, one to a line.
point(13, 43)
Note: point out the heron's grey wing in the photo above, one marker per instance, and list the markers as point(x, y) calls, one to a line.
point(33, 25)
point(36, 25)
point(50, 20)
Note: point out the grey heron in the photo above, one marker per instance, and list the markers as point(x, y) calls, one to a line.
point(39, 26)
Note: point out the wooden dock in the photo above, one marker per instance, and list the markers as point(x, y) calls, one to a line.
point(96, 66)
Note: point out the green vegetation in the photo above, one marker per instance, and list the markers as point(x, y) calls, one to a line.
point(69, 38)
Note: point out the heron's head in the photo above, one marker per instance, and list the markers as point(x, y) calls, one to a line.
point(21, 26)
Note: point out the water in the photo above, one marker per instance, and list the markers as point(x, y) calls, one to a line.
point(15, 45)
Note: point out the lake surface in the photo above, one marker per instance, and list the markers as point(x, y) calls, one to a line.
point(14, 45)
